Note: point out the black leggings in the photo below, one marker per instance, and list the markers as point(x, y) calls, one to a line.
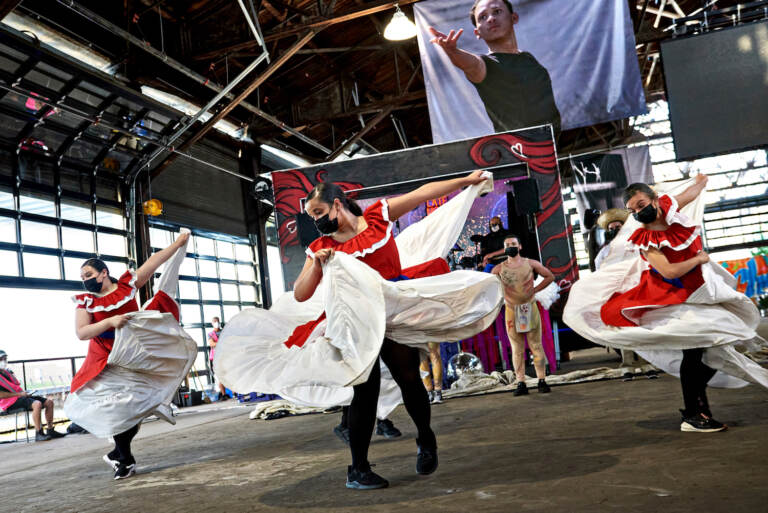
point(122, 450)
point(694, 376)
point(403, 363)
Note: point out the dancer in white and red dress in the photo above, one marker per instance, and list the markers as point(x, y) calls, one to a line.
point(375, 303)
point(107, 396)
point(669, 299)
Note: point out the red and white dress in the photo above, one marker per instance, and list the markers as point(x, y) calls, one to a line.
point(309, 352)
point(130, 373)
point(679, 242)
point(626, 304)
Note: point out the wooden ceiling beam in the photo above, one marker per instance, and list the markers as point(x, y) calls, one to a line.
point(327, 22)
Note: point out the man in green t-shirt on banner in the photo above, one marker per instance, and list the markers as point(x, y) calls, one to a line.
point(515, 88)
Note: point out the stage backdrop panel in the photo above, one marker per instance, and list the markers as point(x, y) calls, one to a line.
point(717, 85)
point(521, 153)
point(587, 46)
point(599, 179)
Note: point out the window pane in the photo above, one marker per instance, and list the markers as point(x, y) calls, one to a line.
point(40, 206)
point(38, 234)
point(229, 312)
point(77, 240)
point(6, 200)
point(227, 271)
point(41, 266)
point(247, 294)
point(226, 249)
point(190, 314)
point(188, 290)
point(211, 311)
point(111, 244)
point(245, 273)
point(7, 229)
point(243, 253)
point(188, 267)
point(229, 292)
point(204, 246)
point(110, 218)
point(72, 268)
point(207, 268)
point(76, 211)
point(9, 264)
point(161, 238)
point(210, 291)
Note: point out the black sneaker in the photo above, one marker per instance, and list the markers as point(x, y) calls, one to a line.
point(54, 434)
point(41, 437)
point(426, 460)
point(364, 479)
point(386, 429)
point(701, 424)
point(543, 387)
point(522, 389)
point(627, 376)
point(342, 433)
point(111, 460)
point(652, 374)
point(124, 471)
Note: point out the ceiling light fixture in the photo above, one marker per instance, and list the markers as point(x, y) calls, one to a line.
point(399, 27)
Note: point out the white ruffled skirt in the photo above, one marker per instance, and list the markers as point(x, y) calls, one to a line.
point(149, 358)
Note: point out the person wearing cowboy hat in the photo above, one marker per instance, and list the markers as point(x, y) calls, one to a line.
point(611, 221)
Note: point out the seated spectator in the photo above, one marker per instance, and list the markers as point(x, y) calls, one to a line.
point(13, 398)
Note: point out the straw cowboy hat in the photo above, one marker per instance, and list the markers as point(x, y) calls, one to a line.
point(611, 215)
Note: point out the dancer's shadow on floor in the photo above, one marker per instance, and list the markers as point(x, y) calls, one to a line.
point(461, 469)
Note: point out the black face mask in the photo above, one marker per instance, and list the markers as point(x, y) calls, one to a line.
point(91, 285)
point(326, 225)
point(512, 251)
point(611, 234)
point(646, 215)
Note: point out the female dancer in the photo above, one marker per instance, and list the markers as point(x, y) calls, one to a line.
point(667, 299)
point(362, 302)
point(106, 395)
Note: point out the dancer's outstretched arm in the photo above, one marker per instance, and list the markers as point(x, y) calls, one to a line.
point(472, 65)
point(149, 267)
point(671, 271)
point(407, 202)
point(692, 192)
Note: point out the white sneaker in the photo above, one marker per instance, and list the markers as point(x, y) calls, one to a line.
point(437, 398)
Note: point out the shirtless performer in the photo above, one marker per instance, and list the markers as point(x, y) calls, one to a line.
point(522, 313)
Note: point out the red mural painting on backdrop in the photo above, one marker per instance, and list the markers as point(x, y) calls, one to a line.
point(291, 187)
point(553, 231)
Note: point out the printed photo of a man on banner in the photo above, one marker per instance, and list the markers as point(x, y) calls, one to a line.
point(499, 65)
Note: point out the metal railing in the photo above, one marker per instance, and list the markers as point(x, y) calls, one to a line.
point(24, 363)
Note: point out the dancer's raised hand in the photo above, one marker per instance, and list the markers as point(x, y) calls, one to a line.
point(475, 177)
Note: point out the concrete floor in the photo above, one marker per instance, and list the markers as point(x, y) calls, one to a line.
point(600, 446)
